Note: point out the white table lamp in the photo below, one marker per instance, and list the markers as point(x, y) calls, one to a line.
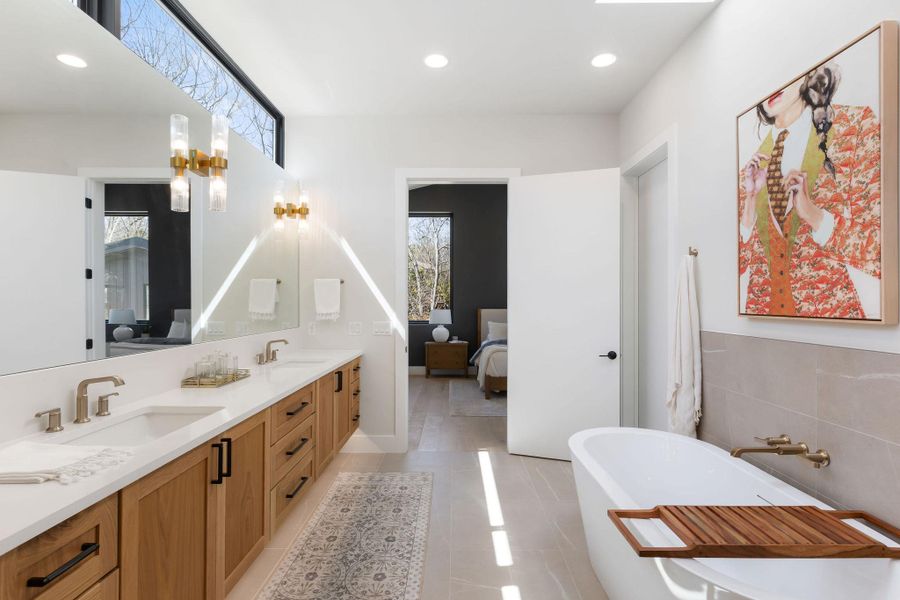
point(122, 317)
point(440, 317)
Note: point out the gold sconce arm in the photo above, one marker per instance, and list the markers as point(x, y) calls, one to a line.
point(199, 163)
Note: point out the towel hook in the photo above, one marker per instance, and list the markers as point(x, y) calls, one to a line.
point(693, 251)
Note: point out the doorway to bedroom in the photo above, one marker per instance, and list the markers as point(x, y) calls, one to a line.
point(456, 287)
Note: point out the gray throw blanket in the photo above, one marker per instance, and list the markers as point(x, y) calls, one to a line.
point(484, 345)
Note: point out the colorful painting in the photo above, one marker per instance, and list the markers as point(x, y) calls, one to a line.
point(817, 213)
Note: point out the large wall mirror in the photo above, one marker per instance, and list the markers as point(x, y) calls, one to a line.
point(95, 263)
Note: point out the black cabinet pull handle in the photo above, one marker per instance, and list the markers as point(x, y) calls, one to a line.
point(356, 369)
point(340, 381)
point(356, 418)
point(611, 355)
point(86, 550)
point(294, 451)
point(297, 410)
point(227, 442)
point(220, 457)
point(303, 481)
point(356, 393)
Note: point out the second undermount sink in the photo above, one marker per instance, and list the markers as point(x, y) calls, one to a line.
point(145, 426)
point(299, 362)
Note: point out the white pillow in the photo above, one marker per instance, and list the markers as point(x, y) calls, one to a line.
point(496, 331)
point(178, 330)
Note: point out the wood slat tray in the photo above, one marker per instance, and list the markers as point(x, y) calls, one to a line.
point(759, 532)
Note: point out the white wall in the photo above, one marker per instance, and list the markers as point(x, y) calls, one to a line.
point(653, 312)
point(721, 70)
point(349, 164)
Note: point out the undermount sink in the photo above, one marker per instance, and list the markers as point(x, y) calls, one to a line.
point(145, 426)
point(300, 362)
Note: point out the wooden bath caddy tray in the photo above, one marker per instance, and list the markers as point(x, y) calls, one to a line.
point(759, 532)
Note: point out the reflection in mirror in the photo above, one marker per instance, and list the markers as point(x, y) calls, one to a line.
point(95, 264)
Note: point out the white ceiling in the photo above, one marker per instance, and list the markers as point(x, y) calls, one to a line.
point(350, 57)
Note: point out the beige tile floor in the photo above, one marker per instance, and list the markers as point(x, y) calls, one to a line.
point(547, 556)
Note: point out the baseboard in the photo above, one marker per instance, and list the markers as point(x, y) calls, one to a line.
point(368, 444)
point(416, 370)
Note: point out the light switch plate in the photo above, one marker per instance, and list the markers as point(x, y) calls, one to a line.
point(354, 328)
point(381, 328)
point(215, 327)
point(311, 328)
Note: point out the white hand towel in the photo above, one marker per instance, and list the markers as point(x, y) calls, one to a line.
point(33, 462)
point(685, 373)
point(328, 299)
point(263, 297)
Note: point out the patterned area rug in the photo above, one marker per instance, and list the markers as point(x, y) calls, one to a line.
point(365, 541)
point(467, 400)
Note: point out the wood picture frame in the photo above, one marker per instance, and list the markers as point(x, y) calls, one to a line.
point(820, 255)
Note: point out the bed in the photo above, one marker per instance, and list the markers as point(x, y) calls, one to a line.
point(176, 337)
point(491, 357)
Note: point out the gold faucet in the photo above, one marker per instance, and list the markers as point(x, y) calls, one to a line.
point(272, 354)
point(782, 446)
point(81, 395)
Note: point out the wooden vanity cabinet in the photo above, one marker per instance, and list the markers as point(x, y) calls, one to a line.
point(325, 424)
point(342, 405)
point(171, 530)
point(246, 490)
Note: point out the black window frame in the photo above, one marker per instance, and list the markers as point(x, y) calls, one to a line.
point(108, 14)
point(436, 213)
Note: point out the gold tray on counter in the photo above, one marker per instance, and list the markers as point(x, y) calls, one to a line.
point(214, 382)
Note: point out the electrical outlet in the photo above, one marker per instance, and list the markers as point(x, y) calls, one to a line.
point(381, 328)
point(215, 327)
point(311, 328)
point(354, 328)
point(241, 327)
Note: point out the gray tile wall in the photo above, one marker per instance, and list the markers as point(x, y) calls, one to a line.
point(845, 401)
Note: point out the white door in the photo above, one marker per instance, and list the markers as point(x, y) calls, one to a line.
point(42, 242)
point(563, 301)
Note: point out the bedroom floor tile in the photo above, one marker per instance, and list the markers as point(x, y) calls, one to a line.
point(541, 518)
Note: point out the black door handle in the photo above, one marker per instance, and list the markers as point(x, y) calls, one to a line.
point(227, 442)
point(294, 451)
point(611, 355)
point(297, 410)
point(219, 463)
point(340, 381)
point(86, 550)
point(296, 491)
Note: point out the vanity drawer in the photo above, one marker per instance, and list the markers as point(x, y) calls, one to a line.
point(291, 411)
point(292, 487)
point(107, 589)
point(66, 560)
point(354, 370)
point(292, 448)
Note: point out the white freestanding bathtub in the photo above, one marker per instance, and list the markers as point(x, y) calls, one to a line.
point(640, 468)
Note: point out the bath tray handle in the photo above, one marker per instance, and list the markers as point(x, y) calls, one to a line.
point(617, 517)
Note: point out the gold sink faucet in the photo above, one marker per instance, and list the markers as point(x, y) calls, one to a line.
point(81, 395)
point(271, 354)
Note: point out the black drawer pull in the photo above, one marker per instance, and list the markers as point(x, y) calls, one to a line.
point(296, 491)
point(356, 369)
point(86, 550)
point(356, 418)
point(340, 381)
point(297, 410)
point(220, 458)
point(297, 449)
point(227, 442)
point(356, 393)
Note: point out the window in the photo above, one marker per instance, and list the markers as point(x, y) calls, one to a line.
point(127, 277)
point(164, 35)
point(429, 264)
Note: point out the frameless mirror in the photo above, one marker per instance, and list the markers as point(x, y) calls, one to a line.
point(95, 263)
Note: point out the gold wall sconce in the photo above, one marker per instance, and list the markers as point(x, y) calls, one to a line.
point(183, 158)
point(290, 210)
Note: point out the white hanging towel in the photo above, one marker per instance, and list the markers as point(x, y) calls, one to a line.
point(684, 387)
point(263, 298)
point(328, 299)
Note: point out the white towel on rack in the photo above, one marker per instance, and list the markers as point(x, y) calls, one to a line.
point(328, 299)
point(685, 383)
point(33, 462)
point(263, 298)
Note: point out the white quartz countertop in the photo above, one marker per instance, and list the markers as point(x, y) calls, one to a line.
point(27, 510)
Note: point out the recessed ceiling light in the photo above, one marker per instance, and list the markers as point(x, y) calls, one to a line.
point(71, 60)
point(654, 1)
point(436, 61)
point(603, 60)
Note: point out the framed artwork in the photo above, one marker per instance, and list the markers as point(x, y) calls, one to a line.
point(817, 190)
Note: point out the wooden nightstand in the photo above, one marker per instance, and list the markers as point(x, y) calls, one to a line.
point(447, 355)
